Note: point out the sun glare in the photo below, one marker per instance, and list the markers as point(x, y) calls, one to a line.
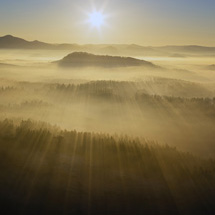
point(96, 19)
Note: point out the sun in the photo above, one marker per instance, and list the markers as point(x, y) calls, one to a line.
point(96, 19)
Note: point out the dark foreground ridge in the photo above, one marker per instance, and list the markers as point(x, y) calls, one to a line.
point(84, 59)
point(45, 170)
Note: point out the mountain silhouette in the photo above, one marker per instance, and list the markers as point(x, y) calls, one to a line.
point(11, 42)
point(84, 59)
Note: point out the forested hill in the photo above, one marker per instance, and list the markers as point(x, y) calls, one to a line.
point(48, 171)
point(84, 59)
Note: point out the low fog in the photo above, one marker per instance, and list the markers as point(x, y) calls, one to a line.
point(172, 104)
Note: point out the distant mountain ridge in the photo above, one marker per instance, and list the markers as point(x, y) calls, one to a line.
point(189, 48)
point(11, 42)
point(211, 67)
point(7, 65)
point(84, 59)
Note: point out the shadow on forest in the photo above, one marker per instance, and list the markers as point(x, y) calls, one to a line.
point(45, 170)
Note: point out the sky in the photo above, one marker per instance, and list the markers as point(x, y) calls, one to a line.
point(144, 22)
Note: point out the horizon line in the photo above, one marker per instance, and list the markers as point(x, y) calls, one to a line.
point(128, 44)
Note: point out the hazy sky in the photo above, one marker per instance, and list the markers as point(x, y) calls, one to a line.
point(146, 22)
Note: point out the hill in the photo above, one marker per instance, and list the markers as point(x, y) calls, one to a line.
point(83, 59)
